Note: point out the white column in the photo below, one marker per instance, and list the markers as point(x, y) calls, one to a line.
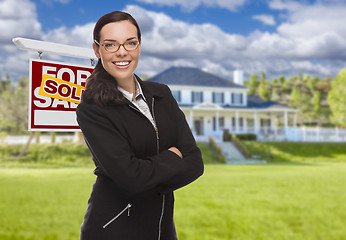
point(245, 124)
point(274, 125)
point(255, 126)
point(191, 120)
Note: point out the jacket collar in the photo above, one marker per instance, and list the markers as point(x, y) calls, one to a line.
point(149, 92)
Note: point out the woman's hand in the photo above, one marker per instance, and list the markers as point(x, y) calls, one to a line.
point(176, 151)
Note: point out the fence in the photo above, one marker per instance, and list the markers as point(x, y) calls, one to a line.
point(292, 134)
point(303, 134)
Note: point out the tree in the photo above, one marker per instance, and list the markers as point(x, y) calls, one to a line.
point(263, 91)
point(316, 102)
point(5, 84)
point(312, 82)
point(282, 79)
point(337, 99)
point(263, 76)
point(295, 97)
point(14, 107)
point(253, 84)
point(275, 95)
point(286, 85)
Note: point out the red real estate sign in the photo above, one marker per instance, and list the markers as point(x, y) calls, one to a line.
point(55, 91)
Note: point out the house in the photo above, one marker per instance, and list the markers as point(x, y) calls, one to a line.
point(213, 105)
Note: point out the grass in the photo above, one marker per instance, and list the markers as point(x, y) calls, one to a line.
point(44, 194)
point(285, 152)
point(62, 155)
point(43, 204)
point(46, 156)
point(264, 202)
point(228, 202)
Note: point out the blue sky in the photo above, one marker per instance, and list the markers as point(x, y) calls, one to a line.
point(278, 37)
point(55, 14)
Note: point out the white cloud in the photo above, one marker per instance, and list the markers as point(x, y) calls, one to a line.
point(20, 9)
point(174, 39)
point(17, 18)
point(302, 36)
point(80, 36)
point(285, 5)
point(191, 5)
point(314, 31)
point(50, 2)
point(302, 41)
point(265, 19)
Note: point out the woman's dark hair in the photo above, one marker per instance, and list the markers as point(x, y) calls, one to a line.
point(101, 88)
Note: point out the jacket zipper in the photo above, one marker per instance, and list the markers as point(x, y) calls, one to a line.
point(161, 217)
point(156, 129)
point(158, 151)
point(117, 216)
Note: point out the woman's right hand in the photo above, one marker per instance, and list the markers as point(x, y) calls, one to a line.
point(176, 151)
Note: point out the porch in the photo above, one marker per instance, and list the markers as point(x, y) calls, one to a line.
point(267, 124)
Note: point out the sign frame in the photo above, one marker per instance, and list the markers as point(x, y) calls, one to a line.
point(56, 117)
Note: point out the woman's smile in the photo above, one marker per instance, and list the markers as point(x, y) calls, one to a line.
point(122, 64)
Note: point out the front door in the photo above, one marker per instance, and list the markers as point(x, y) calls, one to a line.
point(198, 127)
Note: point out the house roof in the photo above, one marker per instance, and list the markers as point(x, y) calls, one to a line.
point(253, 102)
point(187, 76)
point(258, 102)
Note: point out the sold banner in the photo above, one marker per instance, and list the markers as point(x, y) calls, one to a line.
point(55, 91)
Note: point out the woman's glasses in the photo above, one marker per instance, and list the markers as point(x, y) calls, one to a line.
point(129, 45)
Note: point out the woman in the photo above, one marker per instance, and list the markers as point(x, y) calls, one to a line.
point(141, 144)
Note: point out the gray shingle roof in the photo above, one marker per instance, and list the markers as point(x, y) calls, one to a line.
point(192, 77)
point(258, 102)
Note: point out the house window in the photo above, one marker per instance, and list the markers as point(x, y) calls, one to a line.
point(233, 122)
point(218, 97)
point(237, 98)
point(177, 95)
point(250, 122)
point(197, 97)
point(265, 123)
point(221, 123)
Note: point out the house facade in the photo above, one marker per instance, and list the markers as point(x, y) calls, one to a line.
point(213, 105)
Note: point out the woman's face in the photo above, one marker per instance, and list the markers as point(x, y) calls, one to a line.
point(122, 63)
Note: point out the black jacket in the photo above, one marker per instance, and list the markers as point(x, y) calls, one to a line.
point(132, 197)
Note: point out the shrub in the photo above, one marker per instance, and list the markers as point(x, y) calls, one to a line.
point(241, 147)
point(218, 155)
point(243, 137)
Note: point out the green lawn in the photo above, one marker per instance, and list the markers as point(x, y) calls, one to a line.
point(227, 202)
point(297, 152)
